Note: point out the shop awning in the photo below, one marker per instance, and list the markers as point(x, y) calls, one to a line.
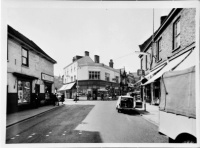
point(188, 62)
point(148, 76)
point(66, 87)
point(172, 64)
point(20, 75)
point(102, 89)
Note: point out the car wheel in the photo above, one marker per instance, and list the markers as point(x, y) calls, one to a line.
point(118, 110)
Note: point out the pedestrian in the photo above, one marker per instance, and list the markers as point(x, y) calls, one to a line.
point(102, 96)
point(36, 100)
point(62, 98)
point(76, 98)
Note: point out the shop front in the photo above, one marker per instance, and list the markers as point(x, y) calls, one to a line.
point(19, 92)
point(47, 90)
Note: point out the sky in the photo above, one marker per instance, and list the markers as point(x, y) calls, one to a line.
point(66, 29)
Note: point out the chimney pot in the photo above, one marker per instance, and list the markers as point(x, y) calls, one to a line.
point(162, 18)
point(111, 63)
point(96, 58)
point(86, 53)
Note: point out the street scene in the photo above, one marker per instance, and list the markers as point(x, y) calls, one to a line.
point(100, 73)
point(85, 122)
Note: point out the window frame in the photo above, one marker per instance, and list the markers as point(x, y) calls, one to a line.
point(94, 75)
point(27, 58)
point(176, 34)
point(158, 49)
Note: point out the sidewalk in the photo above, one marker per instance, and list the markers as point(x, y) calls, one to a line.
point(151, 114)
point(20, 116)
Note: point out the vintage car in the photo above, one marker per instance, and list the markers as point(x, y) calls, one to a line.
point(125, 103)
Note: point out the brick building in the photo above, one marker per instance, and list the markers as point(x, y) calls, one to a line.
point(29, 71)
point(167, 49)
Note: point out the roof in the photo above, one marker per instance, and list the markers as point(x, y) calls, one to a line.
point(83, 60)
point(167, 20)
point(12, 33)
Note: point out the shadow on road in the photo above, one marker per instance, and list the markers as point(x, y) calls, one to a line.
point(135, 112)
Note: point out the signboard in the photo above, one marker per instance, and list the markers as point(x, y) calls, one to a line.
point(140, 72)
point(47, 77)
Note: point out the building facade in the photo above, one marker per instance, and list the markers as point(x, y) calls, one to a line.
point(174, 39)
point(29, 72)
point(89, 77)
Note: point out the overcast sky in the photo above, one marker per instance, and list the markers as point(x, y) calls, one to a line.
point(108, 29)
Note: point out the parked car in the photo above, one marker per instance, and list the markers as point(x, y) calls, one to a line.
point(125, 103)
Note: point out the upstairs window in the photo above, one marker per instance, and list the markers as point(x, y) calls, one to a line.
point(117, 79)
point(159, 45)
point(107, 76)
point(141, 63)
point(24, 57)
point(94, 75)
point(176, 31)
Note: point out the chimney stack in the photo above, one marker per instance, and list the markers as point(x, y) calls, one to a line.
point(86, 53)
point(73, 59)
point(162, 18)
point(111, 63)
point(96, 58)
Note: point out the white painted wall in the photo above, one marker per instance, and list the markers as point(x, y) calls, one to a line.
point(37, 65)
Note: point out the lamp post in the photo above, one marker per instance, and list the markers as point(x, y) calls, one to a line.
point(77, 86)
point(144, 92)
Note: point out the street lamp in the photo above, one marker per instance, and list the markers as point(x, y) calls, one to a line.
point(77, 86)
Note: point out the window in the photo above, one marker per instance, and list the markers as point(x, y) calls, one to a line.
point(71, 79)
point(24, 92)
point(24, 57)
point(176, 30)
point(146, 62)
point(141, 63)
point(74, 78)
point(159, 45)
point(117, 79)
point(107, 76)
point(94, 75)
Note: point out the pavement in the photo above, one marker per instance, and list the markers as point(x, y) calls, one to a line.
point(151, 114)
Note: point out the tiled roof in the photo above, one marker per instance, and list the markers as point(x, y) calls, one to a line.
point(14, 33)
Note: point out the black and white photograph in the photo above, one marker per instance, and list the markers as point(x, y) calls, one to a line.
point(99, 73)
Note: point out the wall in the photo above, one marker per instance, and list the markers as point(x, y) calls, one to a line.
point(37, 65)
point(187, 34)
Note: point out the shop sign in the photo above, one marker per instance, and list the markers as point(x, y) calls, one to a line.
point(47, 77)
point(140, 72)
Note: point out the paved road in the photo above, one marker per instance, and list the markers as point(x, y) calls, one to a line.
point(85, 122)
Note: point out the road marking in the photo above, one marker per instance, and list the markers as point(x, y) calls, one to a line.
point(17, 135)
point(47, 135)
point(33, 134)
point(29, 136)
point(13, 138)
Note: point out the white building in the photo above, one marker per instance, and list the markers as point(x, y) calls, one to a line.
point(91, 75)
point(29, 71)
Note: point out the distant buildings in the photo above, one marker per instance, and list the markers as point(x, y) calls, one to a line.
point(90, 77)
point(29, 72)
point(169, 48)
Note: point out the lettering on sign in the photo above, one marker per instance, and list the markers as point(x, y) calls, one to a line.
point(47, 77)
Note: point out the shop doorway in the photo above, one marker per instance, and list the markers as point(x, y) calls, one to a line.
point(94, 94)
point(47, 91)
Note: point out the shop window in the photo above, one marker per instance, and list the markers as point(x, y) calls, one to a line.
point(24, 92)
point(24, 57)
point(176, 30)
point(107, 76)
point(94, 75)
